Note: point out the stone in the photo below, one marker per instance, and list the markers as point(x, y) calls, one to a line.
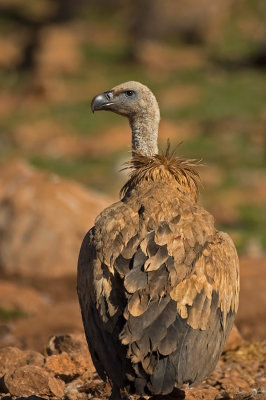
point(63, 366)
point(201, 394)
point(12, 358)
point(70, 343)
point(43, 220)
point(71, 350)
point(74, 390)
point(31, 380)
point(31, 357)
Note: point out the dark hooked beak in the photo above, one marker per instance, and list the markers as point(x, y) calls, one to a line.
point(102, 101)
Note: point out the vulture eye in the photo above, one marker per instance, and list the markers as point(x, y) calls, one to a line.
point(129, 93)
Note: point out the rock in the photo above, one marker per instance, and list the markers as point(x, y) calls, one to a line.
point(70, 343)
point(230, 390)
point(42, 221)
point(240, 384)
point(31, 357)
point(201, 394)
point(73, 393)
point(31, 380)
point(12, 358)
point(63, 366)
point(71, 350)
point(9, 359)
point(234, 340)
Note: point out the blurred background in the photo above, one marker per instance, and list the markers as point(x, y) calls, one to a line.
point(59, 164)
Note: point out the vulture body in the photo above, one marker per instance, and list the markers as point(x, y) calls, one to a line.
point(158, 285)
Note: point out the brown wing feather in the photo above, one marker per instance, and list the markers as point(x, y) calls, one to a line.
point(156, 284)
point(101, 302)
point(215, 270)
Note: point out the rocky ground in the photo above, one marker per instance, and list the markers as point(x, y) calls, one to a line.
point(65, 370)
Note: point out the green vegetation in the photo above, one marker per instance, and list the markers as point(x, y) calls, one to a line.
point(7, 314)
point(229, 114)
point(224, 95)
point(98, 173)
point(250, 229)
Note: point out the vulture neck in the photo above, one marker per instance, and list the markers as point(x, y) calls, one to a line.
point(145, 133)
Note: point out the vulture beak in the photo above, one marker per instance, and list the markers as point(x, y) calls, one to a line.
point(102, 101)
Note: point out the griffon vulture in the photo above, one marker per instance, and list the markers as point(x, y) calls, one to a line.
point(158, 285)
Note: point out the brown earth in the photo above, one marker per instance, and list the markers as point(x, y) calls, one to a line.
point(57, 141)
point(52, 140)
point(153, 55)
point(251, 317)
point(49, 306)
point(62, 42)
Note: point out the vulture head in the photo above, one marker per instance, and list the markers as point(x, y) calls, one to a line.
point(136, 102)
point(130, 99)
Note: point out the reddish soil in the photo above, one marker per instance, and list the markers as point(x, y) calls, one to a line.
point(51, 307)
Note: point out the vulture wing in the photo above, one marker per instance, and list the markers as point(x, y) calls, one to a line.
point(158, 288)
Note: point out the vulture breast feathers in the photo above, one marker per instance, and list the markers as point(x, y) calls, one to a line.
point(157, 283)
